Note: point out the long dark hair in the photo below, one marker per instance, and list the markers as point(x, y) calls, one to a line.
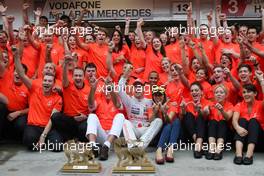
point(120, 43)
point(162, 49)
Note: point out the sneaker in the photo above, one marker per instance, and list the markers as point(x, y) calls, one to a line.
point(104, 153)
point(238, 160)
point(248, 160)
point(209, 156)
point(197, 154)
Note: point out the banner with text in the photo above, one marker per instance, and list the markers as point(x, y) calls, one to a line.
point(98, 9)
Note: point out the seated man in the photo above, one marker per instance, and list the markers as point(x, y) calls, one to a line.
point(138, 125)
point(13, 115)
point(43, 103)
point(106, 123)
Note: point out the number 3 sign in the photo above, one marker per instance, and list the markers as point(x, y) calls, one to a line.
point(242, 8)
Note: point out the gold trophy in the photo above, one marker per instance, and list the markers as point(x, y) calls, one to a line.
point(133, 160)
point(80, 158)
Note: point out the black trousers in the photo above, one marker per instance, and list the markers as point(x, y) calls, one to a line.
point(11, 129)
point(32, 134)
point(3, 114)
point(260, 145)
point(217, 129)
point(68, 127)
point(253, 128)
point(194, 125)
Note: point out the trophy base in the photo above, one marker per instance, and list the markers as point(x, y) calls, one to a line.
point(81, 168)
point(135, 168)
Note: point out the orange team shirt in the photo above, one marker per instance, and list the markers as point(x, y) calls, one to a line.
point(82, 56)
point(177, 58)
point(119, 66)
point(232, 92)
point(153, 62)
point(98, 56)
point(17, 96)
point(30, 58)
point(260, 117)
point(221, 45)
point(171, 108)
point(215, 114)
point(106, 111)
point(191, 75)
point(41, 106)
point(242, 109)
point(260, 47)
point(56, 56)
point(163, 78)
point(138, 60)
point(189, 54)
point(175, 92)
point(208, 47)
point(207, 90)
point(190, 105)
point(59, 72)
point(99, 89)
point(172, 51)
point(75, 100)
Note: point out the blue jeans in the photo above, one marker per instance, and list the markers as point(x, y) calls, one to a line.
point(169, 134)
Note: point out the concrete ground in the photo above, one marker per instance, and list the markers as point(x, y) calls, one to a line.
point(16, 160)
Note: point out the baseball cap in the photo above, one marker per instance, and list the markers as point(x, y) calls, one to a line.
point(138, 81)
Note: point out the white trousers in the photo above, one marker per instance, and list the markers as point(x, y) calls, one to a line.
point(94, 127)
point(144, 134)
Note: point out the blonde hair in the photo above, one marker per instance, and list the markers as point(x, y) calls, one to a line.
point(221, 86)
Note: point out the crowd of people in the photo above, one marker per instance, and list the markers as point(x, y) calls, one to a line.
point(195, 86)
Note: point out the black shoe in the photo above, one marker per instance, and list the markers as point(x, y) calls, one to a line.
point(104, 153)
point(218, 156)
point(209, 156)
point(238, 160)
point(248, 161)
point(197, 154)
